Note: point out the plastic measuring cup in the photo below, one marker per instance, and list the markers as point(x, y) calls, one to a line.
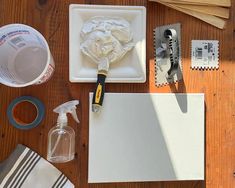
point(25, 56)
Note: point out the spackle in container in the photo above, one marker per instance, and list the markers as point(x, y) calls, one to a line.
point(61, 138)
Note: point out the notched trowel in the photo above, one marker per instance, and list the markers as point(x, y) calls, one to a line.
point(168, 54)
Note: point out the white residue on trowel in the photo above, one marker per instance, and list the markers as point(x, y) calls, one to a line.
point(106, 37)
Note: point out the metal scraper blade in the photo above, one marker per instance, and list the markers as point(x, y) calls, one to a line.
point(162, 57)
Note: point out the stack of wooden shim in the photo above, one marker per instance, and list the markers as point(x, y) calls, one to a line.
point(214, 12)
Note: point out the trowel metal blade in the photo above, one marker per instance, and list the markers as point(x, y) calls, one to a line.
point(163, 64)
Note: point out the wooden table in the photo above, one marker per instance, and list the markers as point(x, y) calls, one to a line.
point(51, 19)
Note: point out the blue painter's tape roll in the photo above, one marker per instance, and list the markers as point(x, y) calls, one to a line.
point(25, 126)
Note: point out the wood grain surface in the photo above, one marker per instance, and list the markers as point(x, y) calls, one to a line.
point(50, 17)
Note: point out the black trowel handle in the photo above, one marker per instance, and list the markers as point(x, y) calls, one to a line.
point(98, 96)
point(173, 46)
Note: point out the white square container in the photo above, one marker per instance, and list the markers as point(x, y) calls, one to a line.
point(131, 68)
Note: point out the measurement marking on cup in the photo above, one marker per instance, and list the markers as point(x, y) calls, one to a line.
point(6, 36)
point(47, 75)
point(18, 41)
point(5, 73)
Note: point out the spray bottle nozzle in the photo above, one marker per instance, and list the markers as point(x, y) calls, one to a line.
point(68, 107)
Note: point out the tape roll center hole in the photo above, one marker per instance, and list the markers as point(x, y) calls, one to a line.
point(25, 112)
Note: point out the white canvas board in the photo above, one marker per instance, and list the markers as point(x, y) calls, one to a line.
point(147, 137)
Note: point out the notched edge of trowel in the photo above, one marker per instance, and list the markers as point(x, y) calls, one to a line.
point(165, 84)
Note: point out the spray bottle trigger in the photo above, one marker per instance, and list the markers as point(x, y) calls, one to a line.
point(74, 115)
